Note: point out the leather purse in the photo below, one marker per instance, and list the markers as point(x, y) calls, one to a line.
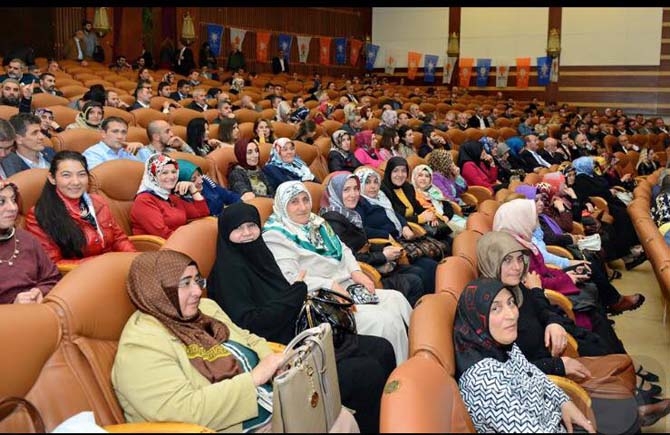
point(306, 393)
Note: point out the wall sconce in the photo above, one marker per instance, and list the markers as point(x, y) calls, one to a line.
point(187, 29)
point(554, 43)
point(101, 22)
point(453, 46)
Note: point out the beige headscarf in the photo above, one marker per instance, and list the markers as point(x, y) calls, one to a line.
point(492, 248)
point(518, 218)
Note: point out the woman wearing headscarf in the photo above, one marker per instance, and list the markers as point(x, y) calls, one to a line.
point(181, 358)
point(160, 206)
point(432, 198)
point(477, 166)
point(402, 195)
point(502, 390)
point(338, 208)
point(302, 240)
point(285, 165)
point(447, 176)
point(625, 245)
point(340, 157)
point(660, 209)
point(366, 149)
point(246, 175)
point(248, 284)
point(90, 117)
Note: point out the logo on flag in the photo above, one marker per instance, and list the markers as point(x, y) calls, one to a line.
point(303, 48)
point(502, 74)
point(371, 56)
point(285, 44)
point(543, 69)
point(236, 38)
point(340, 50)
point(483, 68)
point(214, 36)
point(449, 64)
point(429, 64)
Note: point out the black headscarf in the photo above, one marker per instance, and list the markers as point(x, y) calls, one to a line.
point(473, 341)
point(248, 284)
point(389, 188)
point(470, 151)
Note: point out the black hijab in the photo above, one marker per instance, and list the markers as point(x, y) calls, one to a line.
point(473, 341)
point(389, 188)
point(248, 284)
point(470, 151)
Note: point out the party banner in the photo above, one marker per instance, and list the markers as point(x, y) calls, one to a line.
point(354, 51)
point(236, 38)
point(502, 74)
point(340, 50)
point(465, 71)
point(413, 60)
point(483, 68)
point(543, 70)
point(429, 64)
point(371, 56)
point(449, 65)
point(390, 61)
point(284, 42)
point(324, 52)
point(522, 71)
point(303, 47)
point(553, 77)
point(214, 36)
point(262, 44)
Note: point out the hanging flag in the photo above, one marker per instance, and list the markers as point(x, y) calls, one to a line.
point(262, 44)
point(502, 74)
point(483, 68)
point(522, 71)
point(236, 38)
point(214, 36)
point(465, 71)
point(554, 70)
point(413, 60)
point(324, 52)
point(390, 62)
point(354, 51)
point(371, 56)
point(303, 47)
point(449, 64)
point(284, 42)
point(543, 70)
point(429, 65)
point(340, 51)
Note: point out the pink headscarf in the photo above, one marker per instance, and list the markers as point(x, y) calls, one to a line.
point(518, 218)
point(555, 179)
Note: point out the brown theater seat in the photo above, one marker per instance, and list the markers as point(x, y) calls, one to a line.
point(76, 139)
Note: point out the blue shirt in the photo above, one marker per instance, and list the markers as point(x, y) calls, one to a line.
point(100, 153)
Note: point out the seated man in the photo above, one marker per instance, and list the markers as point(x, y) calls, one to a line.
point(47, 85)
point(183, 90)
point(163, 140)
point(143, 95)
point(225, 111)
point(431, 141)
point(7, 138)
point(551, 153)
point(199, 103)
point(112, 100)
point(113, 145)
point(13, 95)
point(15, 71)
point(529, 157)
point(31, 150)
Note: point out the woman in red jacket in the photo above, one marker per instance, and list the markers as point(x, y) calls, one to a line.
point(70, 223)
point(477, 167)
point(159, 207)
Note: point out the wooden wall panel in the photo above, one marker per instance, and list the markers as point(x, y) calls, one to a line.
point(35, 27)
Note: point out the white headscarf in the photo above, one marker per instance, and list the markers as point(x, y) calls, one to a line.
point(381, 199)
point(152, 167)
point(297, 166)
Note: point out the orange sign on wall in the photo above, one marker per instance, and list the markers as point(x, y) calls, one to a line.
point(324, 50)
point(465, 71)
point(413, 60)
point(522, 71)
point(262, 43)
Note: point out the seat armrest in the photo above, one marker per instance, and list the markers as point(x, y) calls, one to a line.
point(146, 242)
point(456, 208)
point(577, 394)
point(157, 427)
point(417, 229)
point(371, 273)
point(572, 347)
point(556, 298)
point(276, 347)
point(469, 199)
point(560, 251)
point(66, 267)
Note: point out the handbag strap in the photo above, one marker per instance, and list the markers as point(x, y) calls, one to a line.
point(348, 301)
point(310, 336)
point(9, 403)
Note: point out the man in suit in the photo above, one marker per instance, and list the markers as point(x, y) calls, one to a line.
point(529, 156)
point(183, 90)
point(199, 103)
point(552, 153)
point(478, 120)
point(74, 47)
point(279, 63)
point(183, 63)
point(143, 95)
point(31, 151)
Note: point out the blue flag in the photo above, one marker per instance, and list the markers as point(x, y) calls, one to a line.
point(429, 65)
point(214, 35)
point(371, 51)
point(340, 50)
point(483, 68)
point(284, 42)
point(543, 70)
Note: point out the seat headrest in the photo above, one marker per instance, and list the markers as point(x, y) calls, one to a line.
point(196, 239)
point(118, 179)
point(431, 329)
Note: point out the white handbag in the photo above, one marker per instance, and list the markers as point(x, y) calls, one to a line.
point(590, 243)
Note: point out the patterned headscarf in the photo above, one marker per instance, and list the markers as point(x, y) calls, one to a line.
point(153, 286)
point(440, 160)
point(432, 193)
point(332, 197)
point(364, 173)
point(297, 166)
point(364, 140)
point(152, 167)
point(519, 218)
point(316, 235)
point(583, 165)
point(555, 180)
point(336, 142)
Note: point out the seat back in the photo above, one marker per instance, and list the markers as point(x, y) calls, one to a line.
point(30, 184)
point(488, 207)
point(264, 207)
point(76, 139)
point(431, 329)
point(197, 239)
point(315, 191)
point(465, 245)
point(479, 222)
point(64, 115)
point(118, 181)
point(44, 99)
point(205, 164)
point(452, 274)
point(282, 129)
point(123, 114)
point(144, 116)
point(183, 116)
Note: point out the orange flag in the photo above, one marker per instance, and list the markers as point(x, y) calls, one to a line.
point(262, 43)
point(324, 50)
point(413, 60)
point(522, 71)
point(465, 71)
point(354, 49)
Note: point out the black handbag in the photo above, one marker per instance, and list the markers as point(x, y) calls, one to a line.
point(327, 306)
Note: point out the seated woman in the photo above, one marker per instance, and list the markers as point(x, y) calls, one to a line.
point(301, 240)
point(197, 136)
point(340, 157)
point(338, 208)
point(402, 195)
point(160, 206)
point(477, 166)
point(388, 144)
point(181, 358)
point(90, 117)
point(504, 162)
point(229, 132)
point(284, 165)
point(406, 144)
point(660, 209)
point(248, 284)
point(431, 198)
point(216, 195)
point(306, 131)
point(28, 273)
point(447, 176)
point(246, 175)
point(366, 149)
point(380, 220)
point(70, 223)
point(263, 131)
point(502, 390)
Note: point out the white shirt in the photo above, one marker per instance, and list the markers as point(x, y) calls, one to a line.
point(80, 54)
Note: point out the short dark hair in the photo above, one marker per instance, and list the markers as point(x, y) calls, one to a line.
point(44, 75)
point(182, 82)
point(161, 85)
point(21, 121)
point(7, 132)
point(107, 121)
